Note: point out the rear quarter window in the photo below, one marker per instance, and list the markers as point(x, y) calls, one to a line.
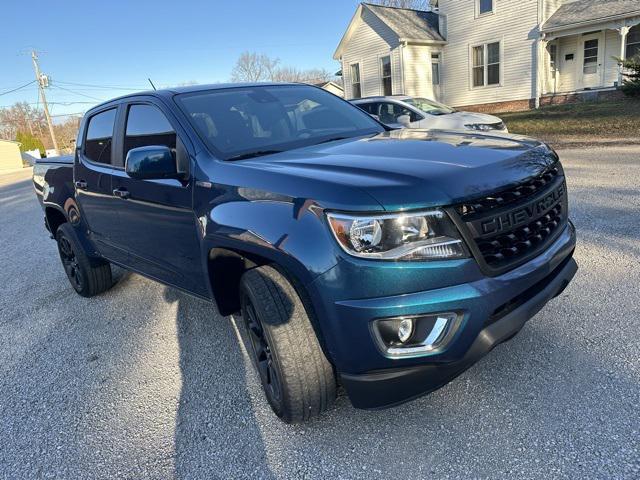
point(97, 145)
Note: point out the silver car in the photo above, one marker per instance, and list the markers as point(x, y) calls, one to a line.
point(416, 112)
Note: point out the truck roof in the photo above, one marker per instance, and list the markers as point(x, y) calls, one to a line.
point(167, 92)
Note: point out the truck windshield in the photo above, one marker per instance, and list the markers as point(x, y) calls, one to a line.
point(245, 122)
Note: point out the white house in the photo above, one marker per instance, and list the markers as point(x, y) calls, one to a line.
point(489, 54)
point(332, 87)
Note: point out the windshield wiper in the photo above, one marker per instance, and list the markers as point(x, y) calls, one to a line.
point(257, 153)
point(332, 139)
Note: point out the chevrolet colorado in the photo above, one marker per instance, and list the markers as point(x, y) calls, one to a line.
point(385, 261)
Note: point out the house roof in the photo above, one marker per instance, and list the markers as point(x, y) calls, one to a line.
point(590, 11)
point(324, 84)
point(409, 25)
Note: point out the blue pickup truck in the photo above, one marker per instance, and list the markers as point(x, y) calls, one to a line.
point(383, 261)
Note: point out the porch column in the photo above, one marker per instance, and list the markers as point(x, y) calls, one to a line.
point(623, 31)
point(541, 69)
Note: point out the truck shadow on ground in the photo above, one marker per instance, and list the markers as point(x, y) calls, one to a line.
point(216, 433)
point(224, 428)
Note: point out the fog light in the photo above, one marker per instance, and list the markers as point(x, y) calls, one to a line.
point(405, 329)
point(417, 335)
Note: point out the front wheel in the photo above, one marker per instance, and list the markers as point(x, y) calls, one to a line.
point(297, 378)
point(87, 276)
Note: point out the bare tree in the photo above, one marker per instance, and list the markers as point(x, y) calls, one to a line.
point(254, 67)
point(66, 133)
point(22, 117)
point(292, 74)
point(412, 4)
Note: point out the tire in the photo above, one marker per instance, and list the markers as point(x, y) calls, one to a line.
point(88, 276)
point(297, 378)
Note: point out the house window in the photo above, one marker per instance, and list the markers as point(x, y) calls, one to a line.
point(485, 6)
point(590, 56)
point(385, 70)
point(356, 91)
point(553, 58)
point(486, 64)
point(633, 42)
point(435, 68)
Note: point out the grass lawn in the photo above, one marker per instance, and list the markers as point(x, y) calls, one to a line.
point(580, 123)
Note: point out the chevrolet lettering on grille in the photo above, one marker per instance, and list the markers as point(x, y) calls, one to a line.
point(521, 215)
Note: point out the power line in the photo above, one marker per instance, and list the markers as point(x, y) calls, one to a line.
point(78, 93)
point(107, 87)
point(68, 114)
point(18, 88)
point(37, 104)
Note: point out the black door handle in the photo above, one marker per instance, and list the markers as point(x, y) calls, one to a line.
point(121, 193)
point(81, 184)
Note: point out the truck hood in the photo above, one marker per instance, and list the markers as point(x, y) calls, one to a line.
point(408, 169)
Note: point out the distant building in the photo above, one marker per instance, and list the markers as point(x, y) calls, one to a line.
point(10, 158)
point(332, 87)
point(490, 54)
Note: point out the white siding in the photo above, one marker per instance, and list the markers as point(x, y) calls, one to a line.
point(10, 158)
point(611, 52)
point(417, 70)
point(550, 6)
point(371, 40)
point(514, 24)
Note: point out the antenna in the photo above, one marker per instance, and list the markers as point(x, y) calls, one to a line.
point(154, 87)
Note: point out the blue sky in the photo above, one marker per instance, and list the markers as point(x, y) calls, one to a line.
point(121, 43)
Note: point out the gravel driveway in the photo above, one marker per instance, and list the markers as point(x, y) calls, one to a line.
point(146, 382)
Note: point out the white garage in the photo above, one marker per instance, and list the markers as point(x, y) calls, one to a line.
point(10, 158)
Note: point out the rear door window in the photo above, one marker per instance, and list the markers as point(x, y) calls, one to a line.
point(97, 146)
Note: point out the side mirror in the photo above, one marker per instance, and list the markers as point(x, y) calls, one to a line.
point(404, 120)
point(152, 162)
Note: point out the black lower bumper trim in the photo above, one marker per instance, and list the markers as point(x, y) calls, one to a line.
point(386, 388)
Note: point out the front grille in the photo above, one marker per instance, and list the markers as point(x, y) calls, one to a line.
point(505, 197)
point(521, 241)
point(512, 225)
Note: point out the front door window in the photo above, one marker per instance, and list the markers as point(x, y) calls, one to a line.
point(590, 65)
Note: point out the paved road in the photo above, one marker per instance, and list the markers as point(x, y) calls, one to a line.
point(146, 382)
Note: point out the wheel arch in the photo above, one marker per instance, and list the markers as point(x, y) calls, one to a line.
point(54, 218)
point(225, 269)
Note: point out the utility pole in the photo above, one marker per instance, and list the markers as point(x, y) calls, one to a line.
point(36, 67)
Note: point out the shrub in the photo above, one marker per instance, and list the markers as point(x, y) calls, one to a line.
point(29, 142)
point(631, 82)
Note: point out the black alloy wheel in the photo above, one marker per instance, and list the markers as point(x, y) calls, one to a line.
point(263, 355)
point(70, 263)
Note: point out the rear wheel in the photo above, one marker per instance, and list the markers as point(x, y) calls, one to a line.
point(87, 276)
point(297, 378)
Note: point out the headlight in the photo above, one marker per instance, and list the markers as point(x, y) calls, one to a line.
point(482, 127)
point(400, 236)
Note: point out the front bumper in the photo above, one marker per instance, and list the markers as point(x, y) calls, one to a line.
point(493, 309)
point(386, 388)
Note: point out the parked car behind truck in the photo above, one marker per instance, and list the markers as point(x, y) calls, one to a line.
point(385, 261)
point(402, 111)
